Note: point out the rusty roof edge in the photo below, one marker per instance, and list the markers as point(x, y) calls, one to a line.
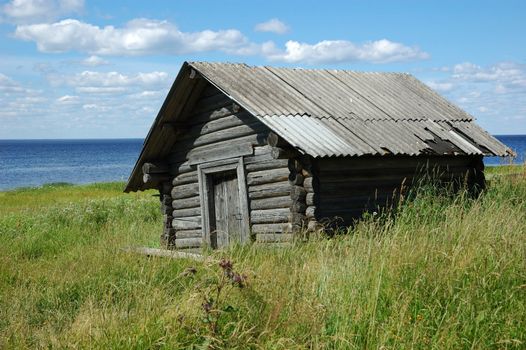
point(138, 164)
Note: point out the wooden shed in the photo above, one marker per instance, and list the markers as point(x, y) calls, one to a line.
point(241, 153)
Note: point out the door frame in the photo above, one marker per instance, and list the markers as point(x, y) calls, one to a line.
point(205, 172)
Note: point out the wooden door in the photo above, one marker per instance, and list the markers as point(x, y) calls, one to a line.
point(226, 223)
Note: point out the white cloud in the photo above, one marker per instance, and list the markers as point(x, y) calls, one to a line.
point(137, 37)
point(440, 86)
point(273, 25)
point(8, 85)
point(339, 51)
point(31, 11)
point(67, 99)
point(495, 94)
point(91, 82)
point(93, 61)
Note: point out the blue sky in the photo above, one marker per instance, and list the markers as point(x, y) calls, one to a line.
point(101, 69)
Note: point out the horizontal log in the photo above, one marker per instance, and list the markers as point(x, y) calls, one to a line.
point(268, 228)
point(185, 191)
point(267, 176)
point(298, 193)
point(185, 178)
point(295, 179)
point(265, 165)
point(257, 158)
point(188, 223)
point(272, 202)
point(181, 213)
point(210, 126)
point(389, 162)
point(155, 178)
point(342, 200)
point(190, 202)
point(189, 233)
point(155, 168)
point(223, 135)
point(188, 242)
point(264, 216)
point(183, 167)
point(276, 189)
point(274, 237)
point(218, 153)
point(211, 103)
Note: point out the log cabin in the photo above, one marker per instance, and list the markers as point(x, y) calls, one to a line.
point(241, 153)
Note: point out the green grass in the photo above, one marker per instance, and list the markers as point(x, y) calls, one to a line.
point(446, 272)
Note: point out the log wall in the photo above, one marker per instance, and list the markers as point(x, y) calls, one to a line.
point(342, 189)
point(218, 129)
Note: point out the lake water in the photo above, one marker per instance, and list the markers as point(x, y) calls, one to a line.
point(36, 162)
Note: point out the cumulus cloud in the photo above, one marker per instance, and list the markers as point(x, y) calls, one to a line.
point(31, 11)
point(8, 85)
point(339, 51)
point(137, 37)
point(496, 94)
point(440, 86)
point(92, 82)
point(94, 61)
point(273, 25)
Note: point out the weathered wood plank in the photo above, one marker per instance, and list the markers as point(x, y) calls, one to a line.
point(270, 215)
point(181, 213)
point(218, 153)
point(265, 164)
point(189, 233)
point(272, 202)
point(188, 223)
point(267, 176)
point(185, 191)
point(211, 103)
point(267, 228)
point(185, 178)
point(276, 189)
point(183, 203)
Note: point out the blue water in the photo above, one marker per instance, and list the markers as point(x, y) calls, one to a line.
point(517, 143)
point(36, 162)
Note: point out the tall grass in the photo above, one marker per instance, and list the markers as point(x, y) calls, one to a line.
point(443, 272)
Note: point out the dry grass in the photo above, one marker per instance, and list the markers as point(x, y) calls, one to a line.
point(444, 272)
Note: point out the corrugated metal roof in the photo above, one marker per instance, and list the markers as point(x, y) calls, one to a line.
point(327, 113)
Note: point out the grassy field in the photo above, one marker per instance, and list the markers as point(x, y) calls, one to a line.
point(445, 272)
